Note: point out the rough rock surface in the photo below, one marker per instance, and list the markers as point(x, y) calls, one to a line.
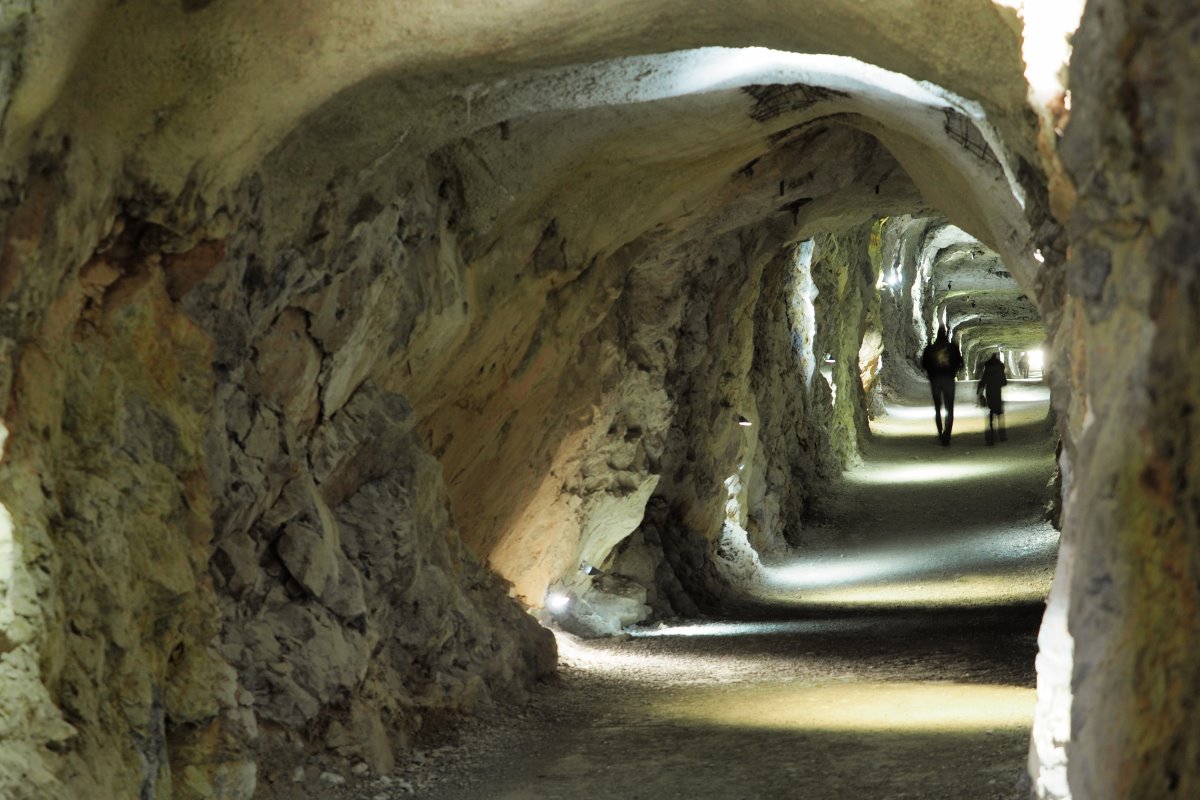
point(113, 677)
point(1125, 339)
point(331, 336)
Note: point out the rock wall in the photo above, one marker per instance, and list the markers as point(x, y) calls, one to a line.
point(904, 302)
point(352, 608)
point(815, 303)
point(845, 273)
point(307, 456)
point(113, 684)
point(1125, 339)
point(225, 546)
point(792, 458)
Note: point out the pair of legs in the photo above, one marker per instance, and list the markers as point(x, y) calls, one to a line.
point(943, 395)
point(995, 426)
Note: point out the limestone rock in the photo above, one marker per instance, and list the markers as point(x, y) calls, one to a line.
point(364, 735)
point(606, 607)
point(285, 368)
point(317, 563)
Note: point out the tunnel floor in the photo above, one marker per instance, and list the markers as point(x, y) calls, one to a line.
point(891, 656)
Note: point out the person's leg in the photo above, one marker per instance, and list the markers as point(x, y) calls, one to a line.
point(936, 390)
point(989, 436)
point(949, 400)
point(1002, 432)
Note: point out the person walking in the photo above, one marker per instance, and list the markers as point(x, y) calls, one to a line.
point(991, 379)
point(941, 362)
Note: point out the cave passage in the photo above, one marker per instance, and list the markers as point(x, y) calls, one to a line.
point(348, 348)
point(895, 660)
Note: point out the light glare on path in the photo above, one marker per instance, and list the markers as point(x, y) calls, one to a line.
point(860, 706)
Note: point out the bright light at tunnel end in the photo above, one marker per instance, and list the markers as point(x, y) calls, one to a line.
point(1047, 26)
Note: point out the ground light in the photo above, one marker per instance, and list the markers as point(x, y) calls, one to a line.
point(1003, 588)
point(726, 689)
point(557, 602)
point(929, 472)
point(983, 568)
point(860, 707)
point(735, 630)
point(916, 560)
point(1024, 402)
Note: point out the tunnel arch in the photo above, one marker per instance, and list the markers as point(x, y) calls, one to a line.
point(764, 101)
point(274, 227)
point(317, 51)
point(605, 517)
point(176, 187)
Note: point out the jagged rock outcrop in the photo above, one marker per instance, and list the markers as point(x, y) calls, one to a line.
point(113, 680)
point(222, 540)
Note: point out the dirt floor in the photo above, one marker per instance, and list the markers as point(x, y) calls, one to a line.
point(891, 657)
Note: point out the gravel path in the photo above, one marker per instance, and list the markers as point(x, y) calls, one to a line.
point(890, 658)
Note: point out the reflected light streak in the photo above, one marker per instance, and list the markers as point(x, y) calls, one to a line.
point(818, 573)
point(608, 657)
point(853, 706)
point(1025, 390)
point(923, 413)
point(993, 567)
point(1024, 402)
point(734, 630)
point(927, 472)
point(972, 590)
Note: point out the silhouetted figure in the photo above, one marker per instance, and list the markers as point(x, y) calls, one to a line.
point(1023, 365)
point(941, 362)
point(991, 379)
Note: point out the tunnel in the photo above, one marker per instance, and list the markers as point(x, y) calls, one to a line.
point(379, 375)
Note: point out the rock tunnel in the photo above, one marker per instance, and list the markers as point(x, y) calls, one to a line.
point(344, 347)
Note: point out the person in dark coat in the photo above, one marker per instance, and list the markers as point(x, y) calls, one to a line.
point(991, 379)
point(941, 362)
